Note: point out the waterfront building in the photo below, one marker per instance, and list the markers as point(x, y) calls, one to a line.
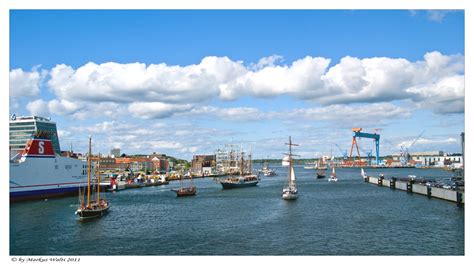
point(136, 163)
point(22, 128)
point(432, 159)
point(115, 152)
point(203, 164)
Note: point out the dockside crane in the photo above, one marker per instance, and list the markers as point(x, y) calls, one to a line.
point(404, 155)
point(357, 132)
point(343, 153)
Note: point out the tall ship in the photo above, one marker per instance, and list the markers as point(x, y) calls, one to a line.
point(246, 178)
point(38, 172)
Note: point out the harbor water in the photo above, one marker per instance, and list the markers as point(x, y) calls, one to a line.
point(348, 217)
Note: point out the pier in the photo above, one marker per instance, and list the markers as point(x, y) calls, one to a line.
point(411, 187)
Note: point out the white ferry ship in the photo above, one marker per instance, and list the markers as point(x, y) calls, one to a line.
point(38, 173)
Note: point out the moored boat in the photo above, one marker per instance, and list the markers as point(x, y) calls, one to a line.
point(39, 173)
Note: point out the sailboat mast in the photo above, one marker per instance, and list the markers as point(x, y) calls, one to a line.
point(241, 163)
point(97, 172)
point(291, 162)
point(89, 175)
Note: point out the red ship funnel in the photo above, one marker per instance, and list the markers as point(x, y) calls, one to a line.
point(38, 147)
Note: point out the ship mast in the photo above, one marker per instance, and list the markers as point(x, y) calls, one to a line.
point(89, 175)
point(97, 172)
point(241, 163)
point(290, 157)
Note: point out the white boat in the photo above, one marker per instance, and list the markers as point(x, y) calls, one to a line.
point(39, 173)
point(362, 173)
point(333, 176)
point(290, 190)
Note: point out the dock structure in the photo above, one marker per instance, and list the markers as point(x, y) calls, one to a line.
point(412, 187)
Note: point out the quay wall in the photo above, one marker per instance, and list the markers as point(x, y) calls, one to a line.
point(373, 180)
point(445, 194)
point(400, 185)
point(420, 189)
point(430, 192)
point(386, 182)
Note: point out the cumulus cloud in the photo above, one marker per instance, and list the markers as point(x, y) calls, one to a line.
point(138, 82)
point(231, 114)
point(158, 91)
point(427, 142)
point(156, 110)
point(444, 96)
point(344, 114)
point(25, 83)
point(38, 107)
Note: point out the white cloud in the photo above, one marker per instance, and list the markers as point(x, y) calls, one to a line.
point(159, 91)
point(38, 107)
point(156, 110)
point(444, 96)
point(25, 83)
point(231, 114)
point(62, 107)
point(344, 114)
point(138, 82)
point(426, 142)
point(267, 61)
point(437, 15)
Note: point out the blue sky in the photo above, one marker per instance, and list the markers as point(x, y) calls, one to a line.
point(187, 82)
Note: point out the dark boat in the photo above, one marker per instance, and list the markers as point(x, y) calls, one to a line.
point(186, 191)
point(94, 210)
point(239, 182)
point(320, 174)
point(91, 208)
point(190, 191)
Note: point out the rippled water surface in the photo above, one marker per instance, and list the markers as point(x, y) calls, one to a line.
point(349, 217)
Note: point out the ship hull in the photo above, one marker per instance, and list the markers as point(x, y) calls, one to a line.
point(42, 194)
point(290, 196)
point(49, 177)
point(226, 185)
point(87, 214)
point(185, 192)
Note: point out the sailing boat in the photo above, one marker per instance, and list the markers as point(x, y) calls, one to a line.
point(321, 173)
point(186, 191)
point(333, 176)
point(290, 191)
point(267, 171)
point(245, 179)
point(91, 208)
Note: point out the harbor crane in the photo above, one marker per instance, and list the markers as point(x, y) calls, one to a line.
point(343, 153)
point(404, 155)
point(357, 132)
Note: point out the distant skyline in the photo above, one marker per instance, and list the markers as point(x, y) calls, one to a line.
point(184, 82)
